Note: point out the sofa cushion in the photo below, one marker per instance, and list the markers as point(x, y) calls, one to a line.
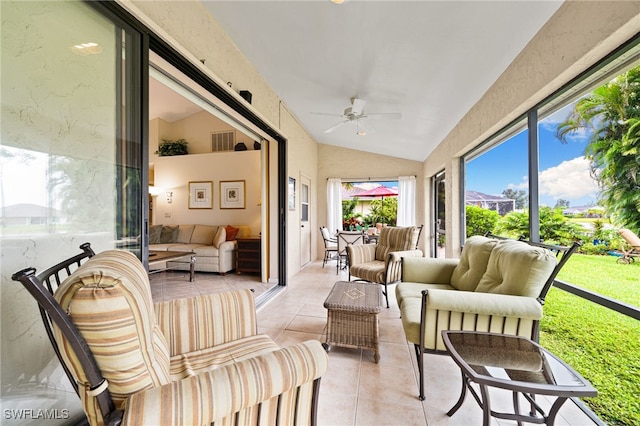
point(184, 233)
point(203, 234)
point(220, 237)
point(473, 262)
point(203, 252)
point(169, 234)
point(154, 234)
point(232, 231)
point(517, 268)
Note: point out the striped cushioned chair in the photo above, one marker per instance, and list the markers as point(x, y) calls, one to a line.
point(381, 263)
point(189, 361)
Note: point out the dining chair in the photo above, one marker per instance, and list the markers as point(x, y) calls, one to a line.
point(347, 238)
point(330, 245)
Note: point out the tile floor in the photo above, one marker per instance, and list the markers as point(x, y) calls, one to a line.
point(355, 390)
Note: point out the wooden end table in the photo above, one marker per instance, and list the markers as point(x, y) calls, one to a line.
point(352, 316)
point(159, 256)
point(517, 364)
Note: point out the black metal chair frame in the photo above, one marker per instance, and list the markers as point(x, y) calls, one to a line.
point(343, 259)
point(42, 287)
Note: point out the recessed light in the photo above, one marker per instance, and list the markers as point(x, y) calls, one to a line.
point(338, 1)
point(87, 49)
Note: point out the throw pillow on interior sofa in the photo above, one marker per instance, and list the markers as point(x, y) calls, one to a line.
point(154, 234)
point(231, 232)
point(169, 234)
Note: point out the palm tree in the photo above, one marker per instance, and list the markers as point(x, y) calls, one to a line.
point(612, 113)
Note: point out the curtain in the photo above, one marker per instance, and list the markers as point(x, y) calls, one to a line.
point(406, 201)
point(334, 204)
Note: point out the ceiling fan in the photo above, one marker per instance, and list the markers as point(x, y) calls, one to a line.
point(355, 113)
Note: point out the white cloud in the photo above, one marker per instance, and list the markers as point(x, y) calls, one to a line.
point(568, 180)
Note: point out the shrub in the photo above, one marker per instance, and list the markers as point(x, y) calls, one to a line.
point(480, 220)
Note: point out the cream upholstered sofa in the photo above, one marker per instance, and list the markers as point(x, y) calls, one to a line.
point(497, 285)
point(214, 246)
point(189, 361)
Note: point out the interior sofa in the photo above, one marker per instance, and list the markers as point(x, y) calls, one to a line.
point(497, 285)
point(214, 246)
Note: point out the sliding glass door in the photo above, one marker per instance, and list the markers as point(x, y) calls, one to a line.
point(71, 172)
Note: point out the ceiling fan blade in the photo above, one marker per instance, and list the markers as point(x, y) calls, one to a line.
point(357, 106)
point(384, 116)
point(335, 126)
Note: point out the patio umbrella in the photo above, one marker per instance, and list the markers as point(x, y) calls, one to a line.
point(380, 191)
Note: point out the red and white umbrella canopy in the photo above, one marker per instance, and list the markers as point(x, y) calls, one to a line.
point(379, 191)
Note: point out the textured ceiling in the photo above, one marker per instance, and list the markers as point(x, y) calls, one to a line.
point(431, 61)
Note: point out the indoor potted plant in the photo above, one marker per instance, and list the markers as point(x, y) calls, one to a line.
point(170, 147)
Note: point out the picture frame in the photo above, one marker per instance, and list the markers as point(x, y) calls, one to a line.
point(201, 195)
point(292, 193)
point(232, 194)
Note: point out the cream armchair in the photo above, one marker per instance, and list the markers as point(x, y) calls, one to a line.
point(381, 263)
point(190, 361)
point(497, 286)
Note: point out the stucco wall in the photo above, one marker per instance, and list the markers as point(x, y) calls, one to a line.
point(576, 37)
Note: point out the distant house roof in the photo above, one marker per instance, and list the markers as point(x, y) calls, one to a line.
point(28, 210)
point(479, 196)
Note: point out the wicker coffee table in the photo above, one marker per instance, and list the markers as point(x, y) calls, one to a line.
point(352, 319)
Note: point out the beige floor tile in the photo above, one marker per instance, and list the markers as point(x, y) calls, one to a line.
point(355, 390)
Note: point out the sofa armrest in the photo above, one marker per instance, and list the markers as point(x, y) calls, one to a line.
point(393, 264)
point(502, 305)
point(361, 253)
point(215, 396)
point(428, 270)
point(211, 320)
point(227, 246)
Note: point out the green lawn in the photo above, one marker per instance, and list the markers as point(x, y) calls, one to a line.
point(603, 345)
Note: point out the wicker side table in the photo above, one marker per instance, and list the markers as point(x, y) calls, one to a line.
point(352, 319)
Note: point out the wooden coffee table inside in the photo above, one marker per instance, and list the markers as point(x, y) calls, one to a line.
point(516, 364)
point(159, 256)
point(352, 317)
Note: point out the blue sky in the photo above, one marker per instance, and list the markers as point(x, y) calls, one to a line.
point(564, 172)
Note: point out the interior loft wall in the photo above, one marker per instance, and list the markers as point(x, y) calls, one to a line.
point(195, 129)
point(174, 174)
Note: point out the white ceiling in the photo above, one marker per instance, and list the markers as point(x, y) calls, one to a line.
point(429, 60)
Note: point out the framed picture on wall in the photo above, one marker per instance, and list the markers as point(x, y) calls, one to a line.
point(292, 193)
point(201, 195)
point(232, 194)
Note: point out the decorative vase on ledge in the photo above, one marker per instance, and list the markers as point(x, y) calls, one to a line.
point(170, 147)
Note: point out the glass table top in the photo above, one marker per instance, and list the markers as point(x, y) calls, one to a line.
point(497, 357)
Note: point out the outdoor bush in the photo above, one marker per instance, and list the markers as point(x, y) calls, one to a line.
point(480, 220)
point(554, 226)
point(383, 211)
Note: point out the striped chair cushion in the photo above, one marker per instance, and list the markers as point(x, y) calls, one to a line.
point(250, 388)
point(202, 322)
point(109, 300)
point(396, 239)
point(372, 271)
point(192, 363)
